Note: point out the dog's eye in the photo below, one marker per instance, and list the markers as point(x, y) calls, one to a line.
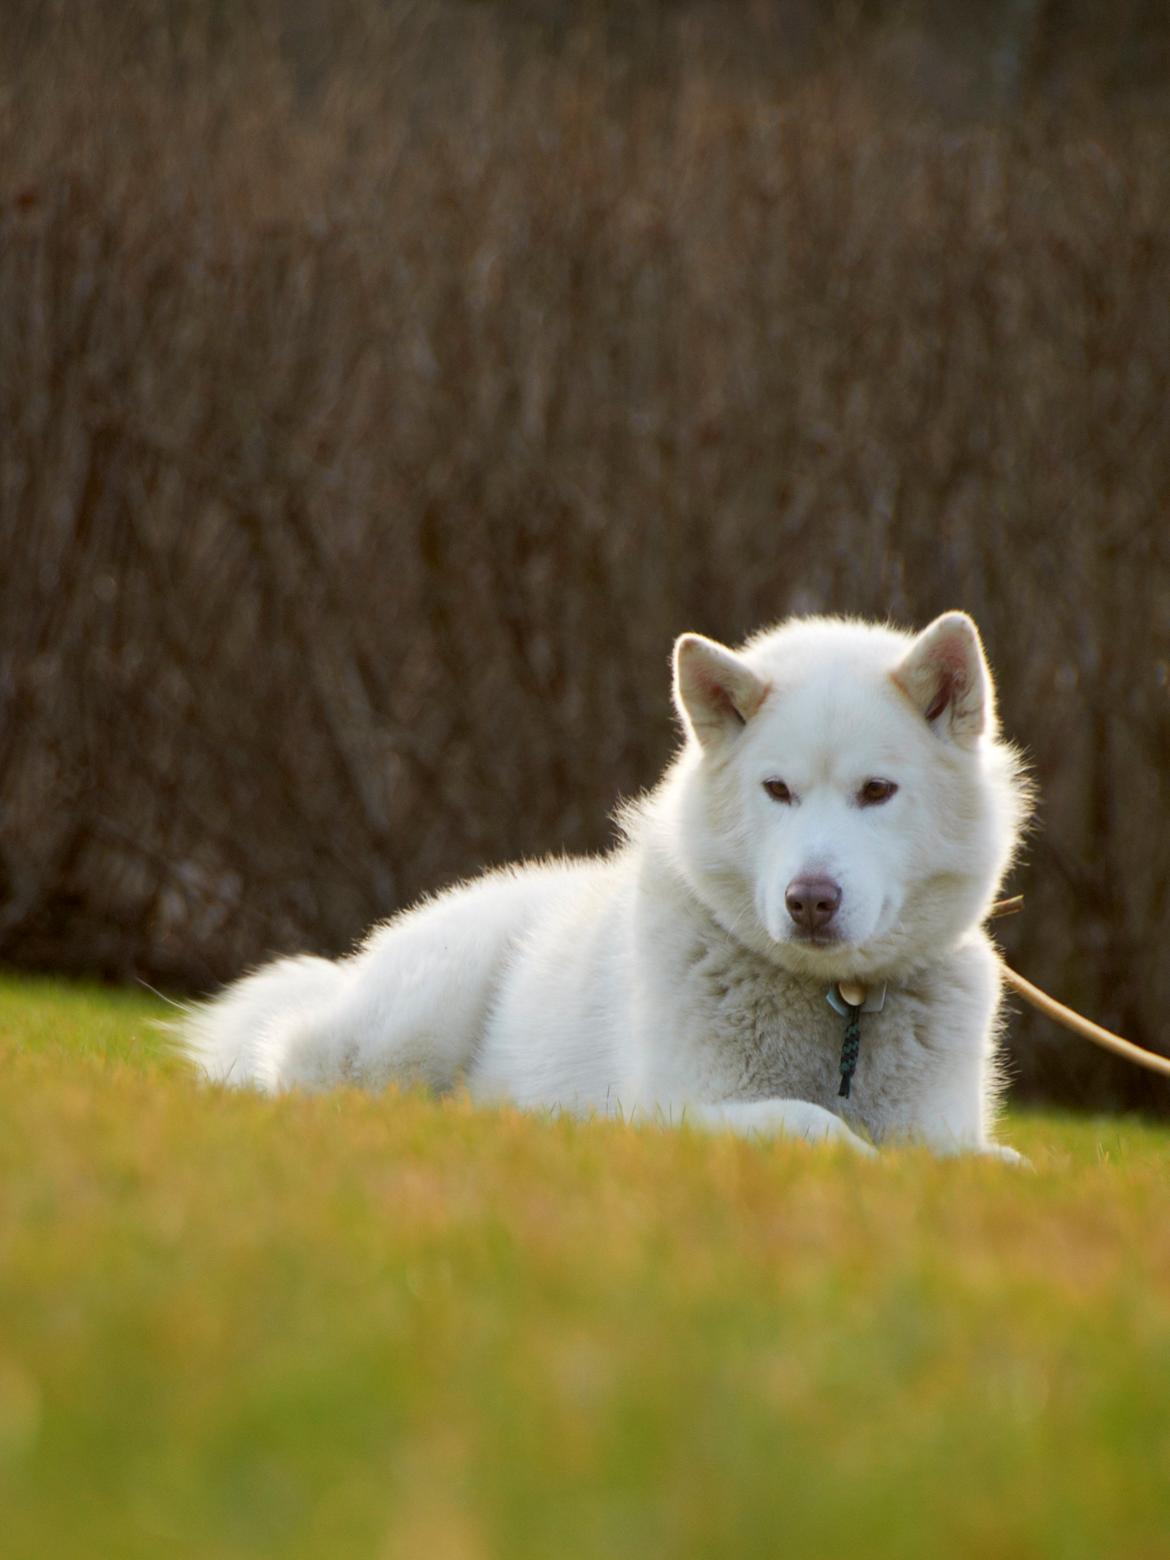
point(874, 792)
point(778, 791)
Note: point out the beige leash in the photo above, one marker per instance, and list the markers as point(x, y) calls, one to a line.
point(1079, 1025)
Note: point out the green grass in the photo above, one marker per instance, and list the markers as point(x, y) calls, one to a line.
point(392, 1327)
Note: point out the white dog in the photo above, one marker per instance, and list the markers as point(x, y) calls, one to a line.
point(788, 940)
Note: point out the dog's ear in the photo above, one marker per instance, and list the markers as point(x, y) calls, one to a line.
point(715, 691)
point(945, 676)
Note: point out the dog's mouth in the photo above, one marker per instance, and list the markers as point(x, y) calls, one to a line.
point(825, 939)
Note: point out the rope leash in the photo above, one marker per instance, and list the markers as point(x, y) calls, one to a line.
point(1084, 1027)
point(1068, 1017)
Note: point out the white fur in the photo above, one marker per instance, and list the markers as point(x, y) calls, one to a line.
point(667, 978)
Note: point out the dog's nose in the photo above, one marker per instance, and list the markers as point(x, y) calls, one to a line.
point(812, 902)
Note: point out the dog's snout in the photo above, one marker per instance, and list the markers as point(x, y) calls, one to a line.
point(812, 902)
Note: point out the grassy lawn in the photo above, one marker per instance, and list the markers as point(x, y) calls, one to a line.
point(392, 1327)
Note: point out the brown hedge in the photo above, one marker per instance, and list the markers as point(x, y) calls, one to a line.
point(366, 435)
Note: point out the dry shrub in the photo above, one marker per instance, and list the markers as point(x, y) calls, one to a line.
point(369, 432)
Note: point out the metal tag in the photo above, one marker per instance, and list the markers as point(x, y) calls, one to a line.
point(875, 1000)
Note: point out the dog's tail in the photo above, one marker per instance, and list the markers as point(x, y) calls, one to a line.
point(232, 1038)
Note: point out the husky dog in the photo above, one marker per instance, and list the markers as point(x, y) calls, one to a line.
point(787, 941)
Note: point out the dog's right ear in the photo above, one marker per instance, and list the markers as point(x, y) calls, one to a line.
point(715, 691)
point(945, 675)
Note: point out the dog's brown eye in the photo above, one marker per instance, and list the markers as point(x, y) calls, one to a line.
point(778, 791)
point(874, 792)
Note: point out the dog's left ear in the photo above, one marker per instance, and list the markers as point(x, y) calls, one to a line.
point(945, 676)
point(715, 691)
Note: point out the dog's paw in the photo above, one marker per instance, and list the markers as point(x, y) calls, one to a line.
point(1009, 1156)
point(781, 1118)
point(795, 1118)
point(838, 1132)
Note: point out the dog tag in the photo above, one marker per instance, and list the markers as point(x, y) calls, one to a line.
point(849, 994)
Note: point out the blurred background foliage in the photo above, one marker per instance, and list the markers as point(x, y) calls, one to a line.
point(384, 385)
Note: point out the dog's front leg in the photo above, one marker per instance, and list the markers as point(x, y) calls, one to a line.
point(954, 1108)
point(777, 1118)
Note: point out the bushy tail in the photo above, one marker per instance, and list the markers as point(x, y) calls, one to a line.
point(231, 1038)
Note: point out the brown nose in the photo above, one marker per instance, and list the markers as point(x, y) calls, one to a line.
point(812, 902)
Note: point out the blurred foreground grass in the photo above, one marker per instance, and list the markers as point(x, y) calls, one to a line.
point(355, 1326)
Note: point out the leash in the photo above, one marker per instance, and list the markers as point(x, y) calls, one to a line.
point(852, 998)
point(1084, 1027)
point(1069, 1017)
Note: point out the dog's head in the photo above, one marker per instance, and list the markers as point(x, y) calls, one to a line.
point(844, 802)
